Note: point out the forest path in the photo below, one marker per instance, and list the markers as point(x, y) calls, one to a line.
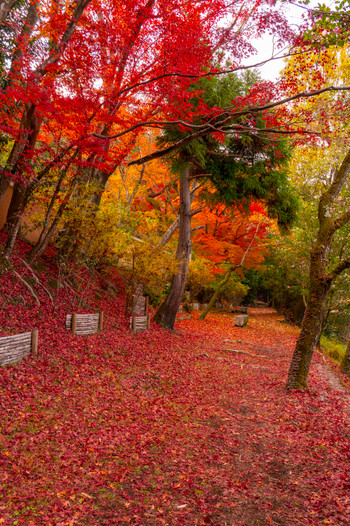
point(185, 428)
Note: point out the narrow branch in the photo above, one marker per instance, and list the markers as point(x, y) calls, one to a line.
point(338, 269)
point(206, 130)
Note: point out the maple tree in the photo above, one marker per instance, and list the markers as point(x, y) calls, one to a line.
point(240, 168)
point(72, 100)
point(232, 239)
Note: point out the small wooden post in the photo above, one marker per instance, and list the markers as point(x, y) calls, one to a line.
point(133, 323)
point(146, 305)
point(74, 322)
point(148, 321)
point(100, 321)
point(35, 339)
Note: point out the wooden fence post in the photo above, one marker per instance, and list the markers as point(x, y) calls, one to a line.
point(148, 321)
point(146, 305)
point(133, 323)
point(74, 322)
point(100, 321)
point(34, 344)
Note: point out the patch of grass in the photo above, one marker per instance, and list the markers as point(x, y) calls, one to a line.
point(333, 348)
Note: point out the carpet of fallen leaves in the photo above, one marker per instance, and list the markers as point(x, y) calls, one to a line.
point(165, 428)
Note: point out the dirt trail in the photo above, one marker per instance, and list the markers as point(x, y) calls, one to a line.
point(190, 428)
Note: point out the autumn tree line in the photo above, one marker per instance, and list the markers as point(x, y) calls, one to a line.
point(141, 135)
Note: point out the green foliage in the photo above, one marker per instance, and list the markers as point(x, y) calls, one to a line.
point(258, 172)
point(153, 269)
point(332, 348)
point(187, 307)
point(258, 289)
point(199, 277)
point(202, 290)
point(233, 291)
point(244, 167)
point(285, 276)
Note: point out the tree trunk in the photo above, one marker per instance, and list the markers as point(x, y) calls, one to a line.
point(215, 295)
point(49, 230)
point(29, 129)
point(165, 315)
point(320, 279)
point(308, 337)
point(22, 43)
point(17, 219)
point(320, 284)
point(5, 7)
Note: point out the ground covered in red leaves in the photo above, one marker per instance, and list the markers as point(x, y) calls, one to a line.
point(165, 428)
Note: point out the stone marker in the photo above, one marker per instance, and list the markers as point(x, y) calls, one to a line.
point(241, 321)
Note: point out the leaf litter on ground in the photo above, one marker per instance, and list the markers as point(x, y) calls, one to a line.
point(118, 429)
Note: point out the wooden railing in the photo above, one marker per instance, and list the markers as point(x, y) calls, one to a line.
point(84, 324)
point(15, 348)
point(140, 323)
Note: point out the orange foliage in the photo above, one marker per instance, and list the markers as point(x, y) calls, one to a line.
point(228, 233)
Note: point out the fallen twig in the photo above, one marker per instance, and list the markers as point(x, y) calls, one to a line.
point(37, 281)
point(26, 285)
point(238, 351)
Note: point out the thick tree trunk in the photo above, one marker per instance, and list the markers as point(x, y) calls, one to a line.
point(320, 284)
point(308, 337)
point(165, 315)
point(320, 279)
point(17, 206)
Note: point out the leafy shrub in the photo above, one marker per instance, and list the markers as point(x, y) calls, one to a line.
point(200, 278)
point(233, 291)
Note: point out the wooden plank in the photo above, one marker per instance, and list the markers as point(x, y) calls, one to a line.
point(11, 348)
point(19, 352)
point(11, 341)
point(15, 357)
point(139, 323)
point(15, 345)
point(17, 337)
point(87, 317)
point(87, 320)
point(100, 321)
point(74, 322)
point(85, 324)
point(34, 341)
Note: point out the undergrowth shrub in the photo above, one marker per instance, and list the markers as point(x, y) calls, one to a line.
point(334, 349)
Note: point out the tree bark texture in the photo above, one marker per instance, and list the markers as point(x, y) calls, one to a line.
point(320, 278)
point(5, 7)
point(166, 314)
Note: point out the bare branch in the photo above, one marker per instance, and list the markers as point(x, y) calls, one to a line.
point(221, 126)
